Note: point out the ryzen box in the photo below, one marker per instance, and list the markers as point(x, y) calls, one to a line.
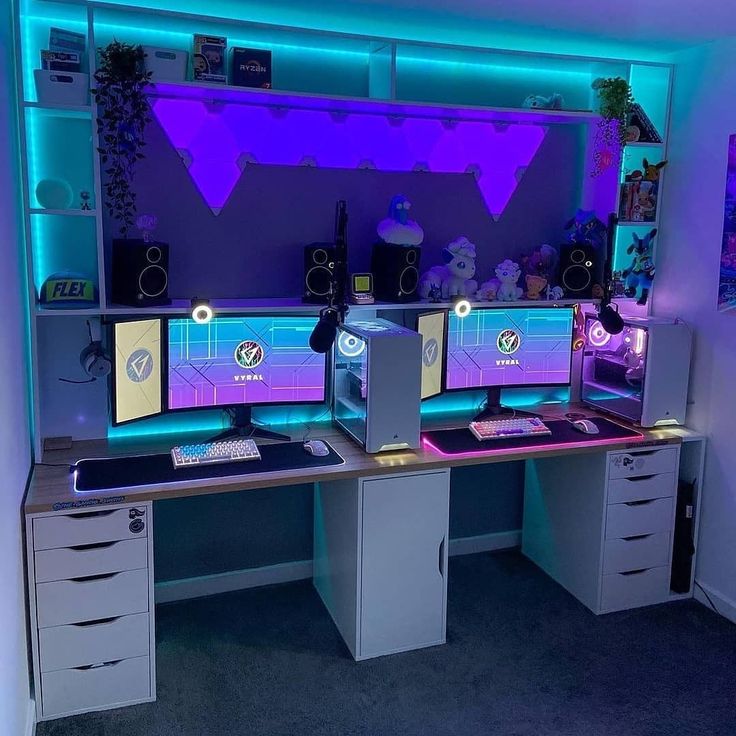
point(209, 61)
point(251, 68)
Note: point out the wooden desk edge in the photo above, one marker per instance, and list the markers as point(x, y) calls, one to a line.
point(51, 487)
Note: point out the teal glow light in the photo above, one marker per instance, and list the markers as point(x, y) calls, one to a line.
point(536, 72)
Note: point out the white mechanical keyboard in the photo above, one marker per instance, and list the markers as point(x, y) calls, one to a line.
point(498, 429)
point(209, 453)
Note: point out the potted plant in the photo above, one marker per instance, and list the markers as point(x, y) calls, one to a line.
point(121, 123)
point(615, 99)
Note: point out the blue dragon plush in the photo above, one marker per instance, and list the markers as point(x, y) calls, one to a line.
point(639, 275)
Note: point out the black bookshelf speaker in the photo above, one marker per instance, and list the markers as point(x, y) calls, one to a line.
point(319, 270)
point(140, 273)
point(581, 270)
point(395, 272)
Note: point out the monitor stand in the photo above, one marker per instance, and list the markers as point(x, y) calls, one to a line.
point(242, 426)
point(494, 409)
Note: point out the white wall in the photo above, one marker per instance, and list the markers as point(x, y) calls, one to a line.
point(703, 117)
point(14, 431)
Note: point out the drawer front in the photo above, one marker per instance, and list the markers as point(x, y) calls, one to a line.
point(90, 599)
point(635, 519)
point(637, 553)
point(78, 562)
point(642, 488)
point(50, 532)
point(78, 645)
point(117, 683)
point(628, 590)
point(648, 462)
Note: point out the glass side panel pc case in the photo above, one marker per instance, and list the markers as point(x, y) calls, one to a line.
point(377, 384)
point(640, 374)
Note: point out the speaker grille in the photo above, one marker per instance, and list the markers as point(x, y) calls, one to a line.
point(576, 278)
point(408, 280)
point(152, 280)
point(318, 280)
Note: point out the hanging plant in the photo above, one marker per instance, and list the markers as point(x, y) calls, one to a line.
point(615, 100)
point(124, 114)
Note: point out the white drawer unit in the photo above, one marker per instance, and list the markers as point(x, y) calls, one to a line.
point(620, 591)
point(73, 530)
point(90, 599)
point(641, 488)
point(93, 559)
point(106, 685)
point(602, 524)
point(636, 553)
point(93, 642)
point(639, 517)
point(92, 609)
point(643, 462)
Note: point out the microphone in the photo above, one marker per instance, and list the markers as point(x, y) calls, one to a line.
point(608, 315)
point(325, 331)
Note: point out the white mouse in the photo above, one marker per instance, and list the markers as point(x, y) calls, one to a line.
point(586, 426)
point(316, 448)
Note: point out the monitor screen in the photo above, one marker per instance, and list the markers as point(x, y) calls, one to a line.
point(511, 347)
point(136, 370)
point(432, 329)
point(243, 360)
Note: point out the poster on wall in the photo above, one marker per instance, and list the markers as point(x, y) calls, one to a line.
point(727, 286)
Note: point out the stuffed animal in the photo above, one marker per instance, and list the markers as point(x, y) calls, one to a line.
point(508, 272)
point(652, 171)
point(488, 290)
point(455, 277)
point(555, 293)
point(534, 286)
point(397, 228)
point(585, 227)
point(640, 274)
point(538, 102)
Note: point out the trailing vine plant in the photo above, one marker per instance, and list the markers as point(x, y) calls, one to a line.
point(615, 99)
point(121, 122)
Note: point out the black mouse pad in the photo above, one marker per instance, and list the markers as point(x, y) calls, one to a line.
point(462, 441)
point(142, 470)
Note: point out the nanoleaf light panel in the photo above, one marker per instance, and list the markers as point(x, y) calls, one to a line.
point(217, 139)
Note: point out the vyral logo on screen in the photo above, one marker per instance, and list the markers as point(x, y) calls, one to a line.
point(139, 365)
point(431, 351)
point(249, 354)
point(508, 342)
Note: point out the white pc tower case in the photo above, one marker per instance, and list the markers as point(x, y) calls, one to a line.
point(640, 374)
point(377, 384)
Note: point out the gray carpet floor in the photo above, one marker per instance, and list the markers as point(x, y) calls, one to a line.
point(523, 658)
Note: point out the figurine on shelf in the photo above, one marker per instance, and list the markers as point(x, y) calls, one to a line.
point(397, 228)
point(508, 273)
point(585, 227)
point(555, 293)
point(455, 276)
point(84, 196)
point(538, 102)
point(488, 290)
point(652, 171)
point(640, 274)
point(534, 286)
point(542, 262)
point(146, 224)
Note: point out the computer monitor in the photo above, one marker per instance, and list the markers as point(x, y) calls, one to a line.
point(136, 375)
point(431, 326)
point(237, 362)
point(508, 348)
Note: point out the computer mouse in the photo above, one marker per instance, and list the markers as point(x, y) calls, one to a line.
point(316, 448)
point(586, 426)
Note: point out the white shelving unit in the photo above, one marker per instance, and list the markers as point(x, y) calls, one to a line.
point(386, 74)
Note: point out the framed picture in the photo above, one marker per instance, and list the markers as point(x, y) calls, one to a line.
point(727, 286)
point(638, 201)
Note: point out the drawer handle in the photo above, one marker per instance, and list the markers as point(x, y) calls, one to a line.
point(94, 578)
point(640, 503)
point(97, 622)
point(635, 537)
point(99, 666)
point(90, 514)
point(640, 478)
point(634, 572)
point(95, 545)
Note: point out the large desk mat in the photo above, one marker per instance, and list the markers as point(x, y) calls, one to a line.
point(106, 474)
point(451, 442)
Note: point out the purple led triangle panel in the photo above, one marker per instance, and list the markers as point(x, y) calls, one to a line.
point(217, 141)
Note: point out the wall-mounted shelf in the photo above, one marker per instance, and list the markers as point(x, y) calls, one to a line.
point(60, 110)
point(64, 213)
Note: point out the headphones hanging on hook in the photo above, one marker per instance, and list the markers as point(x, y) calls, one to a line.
point(93, 359)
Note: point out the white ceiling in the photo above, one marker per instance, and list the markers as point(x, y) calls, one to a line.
point(664, 25)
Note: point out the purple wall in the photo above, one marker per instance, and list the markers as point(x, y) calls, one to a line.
point(254, 247)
